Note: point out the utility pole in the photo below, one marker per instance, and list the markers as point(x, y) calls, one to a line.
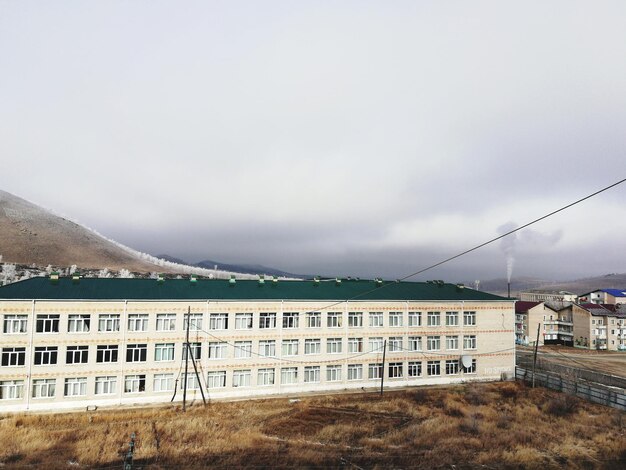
point(382, 372)
point(535, 355)
point(186, 362)
point(193, 362)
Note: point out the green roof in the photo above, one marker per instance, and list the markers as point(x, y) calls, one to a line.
point(41, 288)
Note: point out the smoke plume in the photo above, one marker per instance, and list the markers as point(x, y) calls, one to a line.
point(507, 245)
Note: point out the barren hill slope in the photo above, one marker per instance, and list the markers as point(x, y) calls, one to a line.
point(30, 234)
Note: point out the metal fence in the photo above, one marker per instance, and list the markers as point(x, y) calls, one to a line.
point(573, 372)
point(614, 397)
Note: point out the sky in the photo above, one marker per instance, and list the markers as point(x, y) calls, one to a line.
point(362, 138)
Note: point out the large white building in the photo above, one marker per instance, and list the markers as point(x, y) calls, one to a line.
point(68, 343)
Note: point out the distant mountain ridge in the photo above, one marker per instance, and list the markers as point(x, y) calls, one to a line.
point(576, 286)
point(255, 269)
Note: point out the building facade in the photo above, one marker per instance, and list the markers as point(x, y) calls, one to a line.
point(600, 327)
point(604, 296)
point(547, 296)
point(103, 342)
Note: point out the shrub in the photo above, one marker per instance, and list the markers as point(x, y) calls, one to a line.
point(562, 405)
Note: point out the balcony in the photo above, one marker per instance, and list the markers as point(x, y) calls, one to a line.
point(559, 322)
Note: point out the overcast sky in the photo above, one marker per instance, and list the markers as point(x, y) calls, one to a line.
point(342, 138)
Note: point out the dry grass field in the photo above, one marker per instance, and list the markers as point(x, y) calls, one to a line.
point(497, 425)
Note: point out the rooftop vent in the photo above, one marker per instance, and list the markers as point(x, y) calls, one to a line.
point(261, 279)
point(160, 278)
point(54, 277)
point(232, 281)
point(316, 281)
point(76, 278)
point(379, 280)
point(274, 279)
point(460, 287)
point(337, 281)
point(193, 279)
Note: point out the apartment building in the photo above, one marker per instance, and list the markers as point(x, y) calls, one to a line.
point(547, 296)
point(599, 326)
point(554, 320)
point(604, 296)
point(69, 343)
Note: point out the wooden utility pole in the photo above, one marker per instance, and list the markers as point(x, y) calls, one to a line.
point(535, 355)
point(186, 362)
point(382, 371)
point(193, 362)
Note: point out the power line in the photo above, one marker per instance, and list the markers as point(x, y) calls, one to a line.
point(488, 242)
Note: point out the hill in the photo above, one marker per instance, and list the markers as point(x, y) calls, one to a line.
point(31, 235)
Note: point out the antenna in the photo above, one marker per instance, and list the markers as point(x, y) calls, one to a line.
point(466, 361)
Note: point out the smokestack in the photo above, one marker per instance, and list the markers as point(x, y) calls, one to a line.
point(509, 289)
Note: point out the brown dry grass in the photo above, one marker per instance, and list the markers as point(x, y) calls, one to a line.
point(499, 425)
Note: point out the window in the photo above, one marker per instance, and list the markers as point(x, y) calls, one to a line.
point(138, 322)
point(108, 322)
point(452, 318)
point(135, 383)
point(314, 320)
point(218, 321)
point(265, 377)
point(290, 347)
point(196, 350)
point(434, 319)
point(289, 375)
point(14, 324)
point(415, 369)
point(267, 320)
point(355, 319)
point(469, 318)
point(166, 322)
point(355, 371)
point(164, 352)
point(333, 345)
point(395, 344)
point(376, 345)
point(312, 346)
point(311, 374)
point(433, 368)
point(243, 349)
point(77, 355)
point(11, 389)
point(333, 373)
point(217, 349)
point(415, 343)
point(376, 319)
point(396, 319)
point(194, 320)
point(106, 385)
point(333, 320)
point(291, 320)
point(471, 369)
point(433, 343)
point(216, 379)
point(78, 323)
point(469, 342)
point(452, 367)
point(106, 353)
point(452, 342)
point(47, 324)
point(44, 388)
point(136, 352)
point(163, 383)
point(13, 356)
point(355, 345)
point(75, 387)
point(415, 318)
point(241, 378)
point(395, 370)
point(46, 355)
point(375, 371)
point(243, 321)
point(189, 381)
point(267, 348)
